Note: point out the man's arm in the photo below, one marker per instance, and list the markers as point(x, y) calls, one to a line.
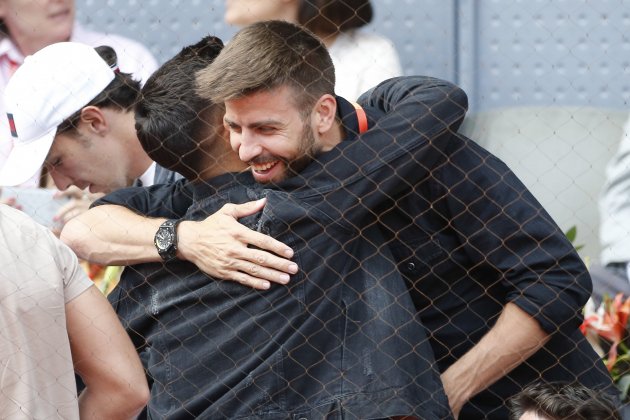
point(104, 357)
point(520, 256)
point(421, 114)
point(113, 234)
point(514, 338)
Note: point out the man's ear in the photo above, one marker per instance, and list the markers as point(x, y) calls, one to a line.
point(94, 120)
point(324, 113)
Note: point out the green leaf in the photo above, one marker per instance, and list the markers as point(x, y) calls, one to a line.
point(571, 234)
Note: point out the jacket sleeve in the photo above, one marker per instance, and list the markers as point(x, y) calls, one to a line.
point(444, 101)
point(508, 237)
point(421, 114)
point(160, 200)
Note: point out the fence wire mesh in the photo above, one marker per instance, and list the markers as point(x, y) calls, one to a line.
point(435, 272)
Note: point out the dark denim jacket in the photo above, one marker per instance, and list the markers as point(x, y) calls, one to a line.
point(342, 339)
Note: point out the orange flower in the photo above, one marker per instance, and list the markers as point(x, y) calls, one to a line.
point(609, 322)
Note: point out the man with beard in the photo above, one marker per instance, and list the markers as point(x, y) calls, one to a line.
point(338, 340)
point(492, 277)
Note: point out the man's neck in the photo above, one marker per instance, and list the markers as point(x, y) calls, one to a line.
point(332, 137)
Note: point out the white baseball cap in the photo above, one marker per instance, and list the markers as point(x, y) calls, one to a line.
point(51, 85)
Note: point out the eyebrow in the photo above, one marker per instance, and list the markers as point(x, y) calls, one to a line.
point(253, 125)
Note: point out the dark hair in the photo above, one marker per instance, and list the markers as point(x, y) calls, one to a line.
point(266, 55)
point(173, 122)
point(560, 401)
point(121, 94)
point(327, 17)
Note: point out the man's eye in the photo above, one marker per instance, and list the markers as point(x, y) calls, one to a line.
point(266, 130)
point(55, 163)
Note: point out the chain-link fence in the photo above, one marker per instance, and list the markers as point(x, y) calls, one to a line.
point(432, 276)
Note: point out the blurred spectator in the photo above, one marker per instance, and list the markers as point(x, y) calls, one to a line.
point(53, 322)
point(558, 401)
point(361, 59)
point(28, 26)
point(612, 276)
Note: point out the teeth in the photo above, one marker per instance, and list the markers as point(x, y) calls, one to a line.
point(263, 166)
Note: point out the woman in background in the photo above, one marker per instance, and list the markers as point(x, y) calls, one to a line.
point(361, 59)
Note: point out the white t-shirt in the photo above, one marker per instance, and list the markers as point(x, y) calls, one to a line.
point(362, 61)
point(133, 58)
point(39, 276)
point(614, 205)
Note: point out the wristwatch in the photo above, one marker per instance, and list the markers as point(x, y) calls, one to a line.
point(166, 239)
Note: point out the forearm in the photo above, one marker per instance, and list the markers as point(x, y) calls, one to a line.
point(105, 358)
point(112, 235)
point(514, 338)
point(95, 405)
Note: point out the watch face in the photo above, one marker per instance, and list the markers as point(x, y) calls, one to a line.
point(163, 239)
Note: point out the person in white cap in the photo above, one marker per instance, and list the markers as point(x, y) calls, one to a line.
point(69, 110)
point(72, 111)
point(28, 26)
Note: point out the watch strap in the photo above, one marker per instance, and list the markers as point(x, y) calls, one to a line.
point(170, 253)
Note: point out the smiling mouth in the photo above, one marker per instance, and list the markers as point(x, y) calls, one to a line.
point(263, 167)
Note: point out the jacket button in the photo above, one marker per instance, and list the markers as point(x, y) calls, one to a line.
point(411, 266)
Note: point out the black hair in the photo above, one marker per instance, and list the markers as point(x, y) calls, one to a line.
point(560, 401)
point(172, 120)
point(122, 93)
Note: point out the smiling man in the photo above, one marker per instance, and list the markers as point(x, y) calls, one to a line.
point(276, 127)
point(72, 110)
point(492, 277)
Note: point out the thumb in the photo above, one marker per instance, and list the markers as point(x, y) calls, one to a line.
point(246, 209)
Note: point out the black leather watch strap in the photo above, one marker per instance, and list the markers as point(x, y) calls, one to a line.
point(166, 239)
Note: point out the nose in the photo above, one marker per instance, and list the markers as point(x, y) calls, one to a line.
point(62, 182)
point(246, 144)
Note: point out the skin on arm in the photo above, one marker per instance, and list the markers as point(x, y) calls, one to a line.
point(104, 357)
point(514, 338)
point(218, 245)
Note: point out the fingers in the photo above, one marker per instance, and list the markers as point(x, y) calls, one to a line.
point(71, 209)
point(70, 192)
point(11, 202)
point(267, 243)
point(249, 281)
point(74, 192)
point(248, 236)
point(263, 265)
point(246, 209)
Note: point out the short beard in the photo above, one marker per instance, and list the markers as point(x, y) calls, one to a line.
point(306, 152)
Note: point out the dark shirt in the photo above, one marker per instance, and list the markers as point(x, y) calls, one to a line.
point(341, 340)
point(472, 238)
point(164, 176)
point(468, 238)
